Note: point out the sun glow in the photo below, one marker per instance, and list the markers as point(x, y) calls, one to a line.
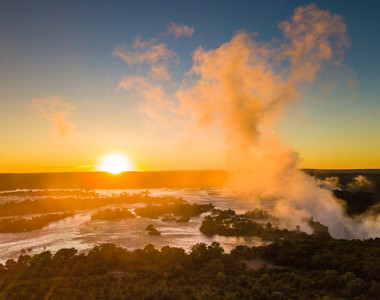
point(115, 164)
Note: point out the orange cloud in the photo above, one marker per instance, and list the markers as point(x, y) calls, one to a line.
point(156, 106)
point(179, 30)
point(55, 109)
point(315, 37)
point(156, 56)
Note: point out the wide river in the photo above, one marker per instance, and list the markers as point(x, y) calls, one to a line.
point(82, 233)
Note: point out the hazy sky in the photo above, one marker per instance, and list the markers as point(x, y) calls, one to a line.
point(64, 67)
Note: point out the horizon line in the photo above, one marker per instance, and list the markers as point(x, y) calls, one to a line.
point(186, 170)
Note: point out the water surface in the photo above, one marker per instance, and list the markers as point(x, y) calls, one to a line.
point(83, 234)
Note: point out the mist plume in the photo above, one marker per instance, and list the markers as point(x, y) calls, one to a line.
point(243, 87)
point(360, 183)
point(331, 183)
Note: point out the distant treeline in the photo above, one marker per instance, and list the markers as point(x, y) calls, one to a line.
point(104, 180)
point(346, 176)
point(138, 180)
point(359, 199)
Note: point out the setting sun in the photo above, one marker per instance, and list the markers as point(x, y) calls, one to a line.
point(115, 164)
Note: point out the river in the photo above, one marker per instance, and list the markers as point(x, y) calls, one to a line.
point(83, 233)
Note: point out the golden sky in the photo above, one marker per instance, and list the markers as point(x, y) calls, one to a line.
point(173, 90)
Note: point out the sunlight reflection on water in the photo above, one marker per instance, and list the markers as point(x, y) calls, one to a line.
point(83, 234)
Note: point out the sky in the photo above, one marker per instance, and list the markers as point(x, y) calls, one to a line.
point(83, 79)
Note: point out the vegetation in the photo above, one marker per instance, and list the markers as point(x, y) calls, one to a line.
point(151, 230)
point(168, 218)
point(171, 218)
point(356, 200)
point(257, 214)
point(19, 224)
point(298, 265)
point(112, 214)
point(312, 268)
point(44, 193)
point(183, 219)
point(179, 208)
point(227, 223)
point(359, 201)
point(93, 201)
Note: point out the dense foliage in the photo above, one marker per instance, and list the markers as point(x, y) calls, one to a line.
point(19, 224)
point(48, 193)
point(179, 208)
point(257, 214)
point(312, 267)
point(227, 223)
point(151, 230)
point(112, 214)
